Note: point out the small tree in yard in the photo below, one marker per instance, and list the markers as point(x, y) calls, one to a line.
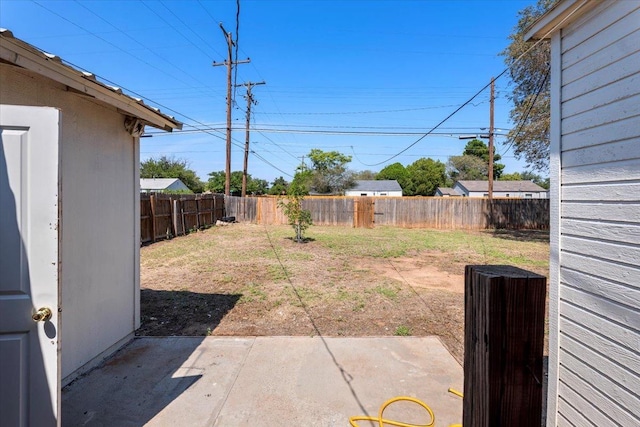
point(291, 205)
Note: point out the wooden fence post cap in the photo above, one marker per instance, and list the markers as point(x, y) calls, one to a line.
point(502, 271)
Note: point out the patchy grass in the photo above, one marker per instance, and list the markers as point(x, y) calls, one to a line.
point(387, 291)
point(246, 279)
point(402, 331)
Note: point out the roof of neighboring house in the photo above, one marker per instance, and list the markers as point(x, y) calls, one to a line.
point(22, 54)
point(448, 191)
point(376, 185)
point(502, 186)
point(158, 183)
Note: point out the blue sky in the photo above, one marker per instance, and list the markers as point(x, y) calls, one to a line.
point(366, 78)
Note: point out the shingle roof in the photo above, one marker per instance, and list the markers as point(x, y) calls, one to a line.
point(502, 186)
point(376, 185)
point(448, 191)
point(20, 53)
point(156, 183)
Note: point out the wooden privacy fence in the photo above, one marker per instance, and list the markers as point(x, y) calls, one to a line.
point(167, 215)
point(408, 212)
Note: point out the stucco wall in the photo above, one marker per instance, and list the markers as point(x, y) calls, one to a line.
point(99, 226)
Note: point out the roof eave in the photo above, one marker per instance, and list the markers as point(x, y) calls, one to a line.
point(562, 14)
point(16, 52)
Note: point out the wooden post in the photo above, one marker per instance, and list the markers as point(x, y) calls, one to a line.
point(197, 202)
point(355, 213)
point(152, 201)
point(504, 340)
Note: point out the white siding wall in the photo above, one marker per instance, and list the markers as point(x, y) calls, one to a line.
point(598, 291)
point(100, 218)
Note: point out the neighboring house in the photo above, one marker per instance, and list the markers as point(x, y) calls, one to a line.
point(162, 185)
point(446, 192)
point(375, 188)
point(70, 225)
point(594, 296)
point(511, 189)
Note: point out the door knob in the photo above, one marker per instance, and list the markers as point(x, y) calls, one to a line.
point(42, 315)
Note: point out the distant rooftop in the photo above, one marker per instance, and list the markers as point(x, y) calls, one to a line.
point(501, 186)
point(157, 183)
point(448, 191)
point(376, 185)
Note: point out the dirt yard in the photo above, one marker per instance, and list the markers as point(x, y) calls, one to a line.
point(245, 279)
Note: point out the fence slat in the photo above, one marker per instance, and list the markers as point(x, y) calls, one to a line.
point(163, 215)
point(408, 212)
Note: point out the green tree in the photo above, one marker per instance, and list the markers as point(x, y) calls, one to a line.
point(279, 186)
point(536, 179)
point(329, 171)
point(302, 182)
point(256, 186)
point(217, 180)
point(516, 176)
point(467, 167)
point(171, 167)
point(478, 148)
point(395, 171)
point(529, 71)
point(291, 204)
point(365, 175)
point(526, 176)
point(424, 177)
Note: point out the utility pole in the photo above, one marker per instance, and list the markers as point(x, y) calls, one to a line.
point(229, 63)
point(250, 101)
point(491, 103)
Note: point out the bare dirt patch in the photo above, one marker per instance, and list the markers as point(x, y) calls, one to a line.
point(427, 271)
point(251, 280)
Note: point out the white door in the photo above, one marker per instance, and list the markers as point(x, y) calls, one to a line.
point(29, 194)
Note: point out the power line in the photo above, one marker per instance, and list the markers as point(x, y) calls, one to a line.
point(179, 32)
point(438, 125)
point(144, 46)
point(189, 28)
point(250, 102)
point(271, 164)
point(235, 76)
point(157, 151)
point(175, 29)
point(178, 113)
point(106, 41)
point(229, 63)
point(277, 145)
point(320, 132)
point(207, 12)
point(400, 110)
point(524, 118)
point(519, 58)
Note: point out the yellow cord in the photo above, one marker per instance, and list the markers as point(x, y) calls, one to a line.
point(381, 421)
point(456, 392)
point(459, 394)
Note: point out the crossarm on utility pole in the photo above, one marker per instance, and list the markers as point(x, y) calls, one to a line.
point(250, 101)
point(229, 63)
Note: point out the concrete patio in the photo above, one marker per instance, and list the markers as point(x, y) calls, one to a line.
point(265, 381)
